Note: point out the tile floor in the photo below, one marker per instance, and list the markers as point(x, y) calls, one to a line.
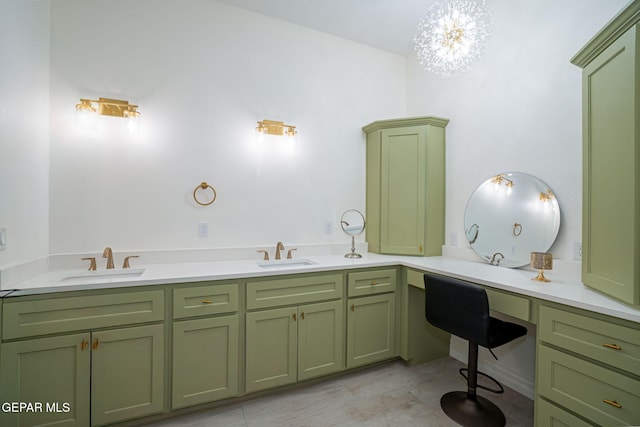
point(392, 394)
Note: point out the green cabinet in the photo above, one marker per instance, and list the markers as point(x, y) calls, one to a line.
point(205, 360)
point(51, 371)
point(405, 178)
point(371, 319)
point(370, 329)
point(85, 379)
point(285, 345)
point(127, 373)
point(91, 370)
point(205, 349)
point(294, 329)
point(588, 366)
point(611, 158)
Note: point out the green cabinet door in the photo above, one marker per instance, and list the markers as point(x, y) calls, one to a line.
point(271, 348)
point(285, 345)
point(127, 373)
point(205, 360)
point(320, 339)
point(611, 169)
point(370, 329)
point(51, 372)
point(402, 200)
point(405, 186)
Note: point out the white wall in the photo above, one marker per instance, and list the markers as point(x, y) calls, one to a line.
point(24, 129)
point(519, 108)
point(203, 73)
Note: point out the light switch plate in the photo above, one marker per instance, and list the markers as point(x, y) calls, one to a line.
point(203, 229)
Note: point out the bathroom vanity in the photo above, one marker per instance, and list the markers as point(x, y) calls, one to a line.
point(190, 336)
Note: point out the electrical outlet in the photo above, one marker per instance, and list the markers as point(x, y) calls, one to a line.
point(328, 228)
point(3, 239)
point(577, 250)
point(453, 238)
point(203, 229)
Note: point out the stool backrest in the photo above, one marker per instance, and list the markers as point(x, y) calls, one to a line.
point(458, 307)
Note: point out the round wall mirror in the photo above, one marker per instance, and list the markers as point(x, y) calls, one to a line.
point(352, 223)
point(509, 216)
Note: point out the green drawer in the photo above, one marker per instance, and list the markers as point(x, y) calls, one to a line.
point(606, 342)
point(296, 290)
point(371, 282)
point(548, 414)
point(415, 278)
point(205, 300)
point(509, 304)
point(588, 389)
point(56, 315)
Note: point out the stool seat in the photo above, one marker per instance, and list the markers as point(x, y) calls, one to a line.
point(462, 309)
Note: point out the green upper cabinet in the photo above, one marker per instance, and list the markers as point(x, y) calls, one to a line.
point(611, 158)
point(405, 185)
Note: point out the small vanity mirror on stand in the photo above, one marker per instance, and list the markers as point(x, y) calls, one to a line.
point(352, 223)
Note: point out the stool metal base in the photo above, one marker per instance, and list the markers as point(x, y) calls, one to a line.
point(470, 411)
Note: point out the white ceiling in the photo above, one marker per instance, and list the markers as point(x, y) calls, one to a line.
point(385, 24)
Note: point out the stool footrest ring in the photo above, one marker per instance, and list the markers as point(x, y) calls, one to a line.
point(499, 390)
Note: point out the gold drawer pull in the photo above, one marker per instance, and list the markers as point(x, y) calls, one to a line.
point(84, 344)
point(295, 317)
point(96, 344)
point(302, 315)
point(353, 307)
point(613, 403)
point(206, 301)
point(612, 346)
point(374, 282)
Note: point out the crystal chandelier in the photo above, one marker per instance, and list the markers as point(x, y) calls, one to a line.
point(452, 36)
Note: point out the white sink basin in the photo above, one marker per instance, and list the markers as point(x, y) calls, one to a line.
point(102, 276)
point(285, 263)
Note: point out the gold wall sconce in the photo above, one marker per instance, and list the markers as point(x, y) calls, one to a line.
point(273, 127)
point(541, 261)
point(88, 108)
point(108, 107)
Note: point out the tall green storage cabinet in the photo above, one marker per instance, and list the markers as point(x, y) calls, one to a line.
point(406, 185)
point(611, 157)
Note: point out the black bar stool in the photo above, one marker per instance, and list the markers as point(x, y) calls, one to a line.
point(462, 308)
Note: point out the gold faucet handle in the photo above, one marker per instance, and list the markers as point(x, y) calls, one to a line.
point(289, 252)
point(92, 265)
point(266, 254)
point(126, 264)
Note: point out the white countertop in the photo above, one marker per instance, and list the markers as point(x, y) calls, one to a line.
point(561, 290)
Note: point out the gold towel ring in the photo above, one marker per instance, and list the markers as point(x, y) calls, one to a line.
point(204, 186)
point(517, 229)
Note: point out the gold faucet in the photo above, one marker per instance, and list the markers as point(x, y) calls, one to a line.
point(92, 266)
point(279, 247)
point(126, 263)
point(108, 254)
